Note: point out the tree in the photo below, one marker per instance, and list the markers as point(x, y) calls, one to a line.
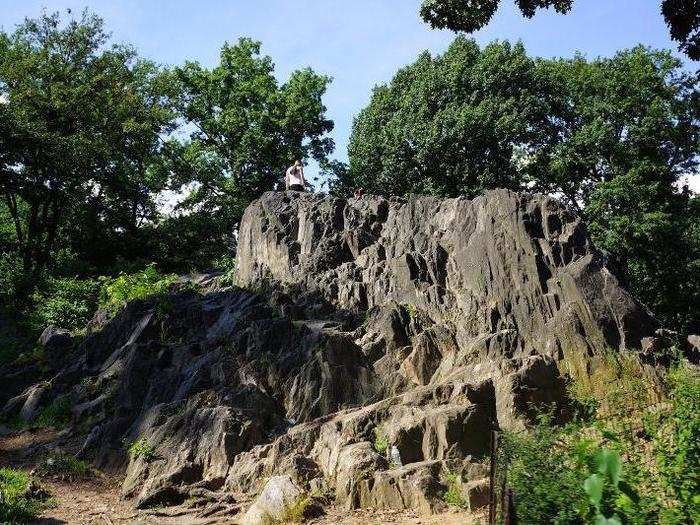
point(611, 136)
point(682, 16)
point(247, 129)
point(448, 125)
point(80, 126)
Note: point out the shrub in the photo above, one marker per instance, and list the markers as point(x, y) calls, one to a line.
point(16, 338)
point(381, 443)
point(68, 303)
point(547, 479)
point(677, 446)
point(12, 278)
point(15, 505)
point(229, 265)
point(453, 495)
point(141, 449)
point(149, 282)
point(299, 511)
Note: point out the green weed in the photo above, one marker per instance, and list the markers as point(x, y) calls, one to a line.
point(141, 449)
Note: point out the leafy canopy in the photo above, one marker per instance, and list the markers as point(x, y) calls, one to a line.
point(80, 127)
point(247, 129)
point(682, 16)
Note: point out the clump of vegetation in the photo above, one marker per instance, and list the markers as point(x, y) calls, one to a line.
point(677, 446)
point(230, 267)
point(301, 510)
point(141, 448)
point(149, 282)
point(639, 466)
point(453, 495)
point(64, 466)
point(616, 384)
point(381, 442)
point(57, 414)
point(67, 302)
point(16, 505)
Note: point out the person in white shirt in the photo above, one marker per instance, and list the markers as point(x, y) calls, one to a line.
point(294, 179)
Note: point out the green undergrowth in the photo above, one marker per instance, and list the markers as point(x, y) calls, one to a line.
point(453, 495)
point(299, 511)
point(147, 284)
point(16, 503)
point(381, 443)
point(627, 459)
point(57, 414)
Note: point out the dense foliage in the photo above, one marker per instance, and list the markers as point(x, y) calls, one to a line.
point(15, 505)
point(637, 465)
point(93, 138)
point(681, 16)
point(79, 131)
point(611, 136)
point(247, 130)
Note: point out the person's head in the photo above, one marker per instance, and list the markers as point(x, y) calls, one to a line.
point(297, 164)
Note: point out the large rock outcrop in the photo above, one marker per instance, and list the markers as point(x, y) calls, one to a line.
point(369, 350)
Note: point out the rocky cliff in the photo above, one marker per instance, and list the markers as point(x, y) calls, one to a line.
point(370, 347)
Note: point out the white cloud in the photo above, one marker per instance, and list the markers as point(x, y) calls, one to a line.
point(4, 99)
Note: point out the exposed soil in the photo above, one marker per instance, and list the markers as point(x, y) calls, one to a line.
point(96, 500)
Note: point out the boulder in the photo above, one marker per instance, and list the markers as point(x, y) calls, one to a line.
point(277, 498)
point(416, 486)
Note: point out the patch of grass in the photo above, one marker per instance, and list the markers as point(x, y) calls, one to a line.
point(616, 384)
point(56, 415)
point(64, 466)
point(381, 443)
point(302, 509)
point(15, 505)
point(453, 495)
point(141, 448)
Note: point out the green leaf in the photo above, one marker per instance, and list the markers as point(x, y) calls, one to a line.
point(594, 488)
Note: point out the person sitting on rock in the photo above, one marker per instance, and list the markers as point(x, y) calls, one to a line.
point(294, 178)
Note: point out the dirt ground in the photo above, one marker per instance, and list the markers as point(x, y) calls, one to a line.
point(96, 500)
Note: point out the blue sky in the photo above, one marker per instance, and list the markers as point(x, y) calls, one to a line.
point(359, 43)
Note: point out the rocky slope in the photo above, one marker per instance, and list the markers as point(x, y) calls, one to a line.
point(370, 347)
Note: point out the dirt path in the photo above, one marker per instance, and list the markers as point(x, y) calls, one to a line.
point(96, 500)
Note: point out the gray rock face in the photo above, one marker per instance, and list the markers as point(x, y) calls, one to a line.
point(454, 287)
point(371, 348)
point(504, 262)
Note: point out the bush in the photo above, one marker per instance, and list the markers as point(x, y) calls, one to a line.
point(12, 279)
point(68, 303)
point(547, 479)
point(141, 449)
point(229, 265)
point(453, 495)
point(677, 446)
point(381, 443)
point(15, 506)
point(149, 282)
